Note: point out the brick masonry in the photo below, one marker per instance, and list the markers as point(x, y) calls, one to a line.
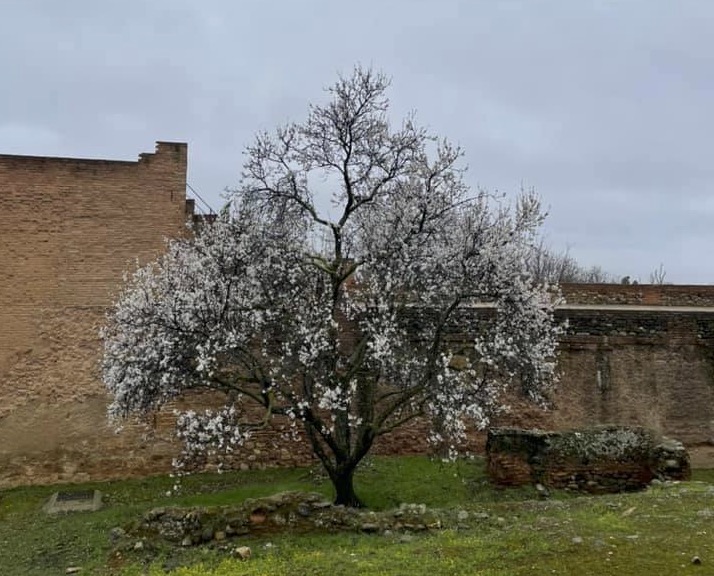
point(71, 227)
point(597, 460)
point(644, 294)
point(69, 230)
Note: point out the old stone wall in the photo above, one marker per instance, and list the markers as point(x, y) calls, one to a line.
point(626, 364)
point(597, 460)
point(651, 368)
point(643, 294)
point(69, 228)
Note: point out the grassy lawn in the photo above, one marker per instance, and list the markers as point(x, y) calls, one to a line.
point(503, 531)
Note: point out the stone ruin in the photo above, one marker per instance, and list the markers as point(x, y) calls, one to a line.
point(297, 512)
point(595, 460)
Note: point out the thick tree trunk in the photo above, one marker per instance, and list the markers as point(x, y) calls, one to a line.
point(345, 495)
point(338, 460)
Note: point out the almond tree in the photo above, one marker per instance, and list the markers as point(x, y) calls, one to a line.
point(338, 316)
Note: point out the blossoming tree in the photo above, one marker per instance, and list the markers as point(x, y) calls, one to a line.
point(337, 315)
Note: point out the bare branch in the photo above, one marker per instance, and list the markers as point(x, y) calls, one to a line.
point(351, 338)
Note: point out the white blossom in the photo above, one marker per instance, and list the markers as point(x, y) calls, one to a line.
point(343, 322)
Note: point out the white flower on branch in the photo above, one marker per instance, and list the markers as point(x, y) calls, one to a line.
point(344, 324)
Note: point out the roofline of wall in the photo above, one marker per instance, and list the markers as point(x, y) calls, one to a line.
point(159, 143)
point(639, 308)
point(617, 308)
point(634, 287)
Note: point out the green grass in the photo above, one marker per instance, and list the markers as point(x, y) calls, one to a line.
point(656, 531)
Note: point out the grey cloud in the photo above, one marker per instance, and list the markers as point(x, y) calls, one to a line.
point(603, 107)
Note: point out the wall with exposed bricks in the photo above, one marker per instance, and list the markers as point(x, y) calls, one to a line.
point(70, 228)
point(642, 294)
point(597, 460)
point(651, 368)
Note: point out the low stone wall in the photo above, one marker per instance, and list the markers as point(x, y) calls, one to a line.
point(596, 460)
point(287, 511)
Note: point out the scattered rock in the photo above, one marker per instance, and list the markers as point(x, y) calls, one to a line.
point(116, 534)
point(413, 527)
point(73, 570)
point(411, 509)
point(671, 460)
point(696, 560)
point(139, 545)
point(279, 519)
point(207, 534)
point(293, 510)
point(155, 514)
point(242, 552)
point(577, 540)
point(462, 515)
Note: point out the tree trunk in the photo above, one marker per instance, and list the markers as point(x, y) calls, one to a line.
point(339, 463)
point(343, 481)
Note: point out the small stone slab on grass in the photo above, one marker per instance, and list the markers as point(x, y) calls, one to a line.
point(79, 501)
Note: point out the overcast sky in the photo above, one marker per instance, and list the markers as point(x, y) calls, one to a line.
point(606, 108)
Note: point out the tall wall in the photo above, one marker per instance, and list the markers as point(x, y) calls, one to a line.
point(69, 228)
point(619, 363)
point(647, 365)
point(640, 355)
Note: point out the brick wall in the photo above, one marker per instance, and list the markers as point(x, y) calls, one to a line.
point(652, 367)
point(69, 228)
point(598, 460)
point(643, 294)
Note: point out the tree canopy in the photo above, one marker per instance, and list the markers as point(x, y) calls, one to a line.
point(302, 296)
